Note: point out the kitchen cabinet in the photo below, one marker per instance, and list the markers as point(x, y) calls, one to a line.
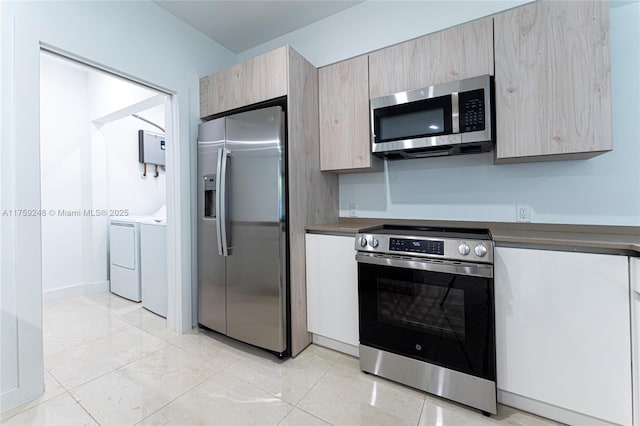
point(258, 79)
point(634, 274)
point(332, 288)
point(345, 136)
point(562, 331)
point(553, 81)
point(460, 52)
point(313, 196)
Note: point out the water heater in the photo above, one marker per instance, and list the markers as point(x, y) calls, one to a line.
point(151, 147)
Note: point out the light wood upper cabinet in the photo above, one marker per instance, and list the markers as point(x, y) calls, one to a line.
point(553, 81)
point(259, 79)
point(345, 138)
point(456, 53)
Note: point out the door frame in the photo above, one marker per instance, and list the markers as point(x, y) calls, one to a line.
point(26, 29)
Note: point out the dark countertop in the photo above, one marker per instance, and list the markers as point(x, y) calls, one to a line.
point(589, 238)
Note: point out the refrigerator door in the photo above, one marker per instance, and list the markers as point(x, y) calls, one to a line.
point(211, 265)
point(256, 265)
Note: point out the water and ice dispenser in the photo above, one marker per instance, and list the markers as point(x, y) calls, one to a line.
point(210, 196)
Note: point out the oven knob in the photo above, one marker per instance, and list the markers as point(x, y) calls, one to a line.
point(480, 250)
point(373, 243)
point(463, 249)
point(362, 241)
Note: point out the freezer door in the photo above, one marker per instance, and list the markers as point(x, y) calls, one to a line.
point(256, 266)
point(211, 265)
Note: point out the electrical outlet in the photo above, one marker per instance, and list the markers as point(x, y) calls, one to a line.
point(523, 213)
point(353, 212)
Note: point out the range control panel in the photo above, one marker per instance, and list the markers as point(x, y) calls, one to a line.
point(416, 246)
point(456, 248)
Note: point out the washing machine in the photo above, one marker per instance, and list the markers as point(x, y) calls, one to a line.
point(124, 257)
point(153, 260)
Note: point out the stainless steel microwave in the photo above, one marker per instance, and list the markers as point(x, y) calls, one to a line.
point(444, 119)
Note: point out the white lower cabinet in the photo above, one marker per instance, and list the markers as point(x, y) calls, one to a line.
point(634, 273)
point(563, 332)
point(332, 290)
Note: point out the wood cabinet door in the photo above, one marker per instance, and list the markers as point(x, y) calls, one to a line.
point(258, 79)
point(553, 81)
point(452, 54)
point(221, 91)
point(345, 138)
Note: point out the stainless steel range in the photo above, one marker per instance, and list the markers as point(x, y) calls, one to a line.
point(426, 310)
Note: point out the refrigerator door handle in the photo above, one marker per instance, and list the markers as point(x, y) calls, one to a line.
point(219, 216)
point(221, 205)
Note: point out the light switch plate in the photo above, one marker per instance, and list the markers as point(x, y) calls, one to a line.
point(353, 212)
point(523, 213)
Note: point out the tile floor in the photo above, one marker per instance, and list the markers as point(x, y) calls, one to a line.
point(108, 361)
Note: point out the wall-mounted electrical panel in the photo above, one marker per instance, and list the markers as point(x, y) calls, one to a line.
point(151, 147)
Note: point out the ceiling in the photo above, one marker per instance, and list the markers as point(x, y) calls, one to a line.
point(239, 25)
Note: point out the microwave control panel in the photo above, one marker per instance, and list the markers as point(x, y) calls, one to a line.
point(472, 111)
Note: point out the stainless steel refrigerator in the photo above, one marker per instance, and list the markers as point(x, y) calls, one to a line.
point(242, 245)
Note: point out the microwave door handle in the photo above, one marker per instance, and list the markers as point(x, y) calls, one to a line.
point(455, 113)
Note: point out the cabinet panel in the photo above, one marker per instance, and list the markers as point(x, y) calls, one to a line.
point(313, 196)
point(332, 287)
point(456, 53)
point(259, 79)
point(562, 330)
point(634, 273)
point(345, 138)
point(553, 81)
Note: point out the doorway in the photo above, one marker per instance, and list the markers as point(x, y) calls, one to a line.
point(98, 166)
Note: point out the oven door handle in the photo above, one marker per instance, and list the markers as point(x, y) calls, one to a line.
point(458, 268)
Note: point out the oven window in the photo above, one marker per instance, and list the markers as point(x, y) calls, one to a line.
point(441, 318)
point(430, 309)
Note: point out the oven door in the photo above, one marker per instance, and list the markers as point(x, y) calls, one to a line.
point(433, 311)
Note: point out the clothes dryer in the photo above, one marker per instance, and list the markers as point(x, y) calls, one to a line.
point(124, 255)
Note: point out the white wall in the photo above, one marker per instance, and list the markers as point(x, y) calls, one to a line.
point(66, 176)
point(109, 93)
point(602, 190)
point(128, 37)
point(116, 144)
point(128, 189)
point(375, 24)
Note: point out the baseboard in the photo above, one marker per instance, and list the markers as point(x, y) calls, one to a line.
point(336, 345)
point(546, 410)
point(72, 291)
